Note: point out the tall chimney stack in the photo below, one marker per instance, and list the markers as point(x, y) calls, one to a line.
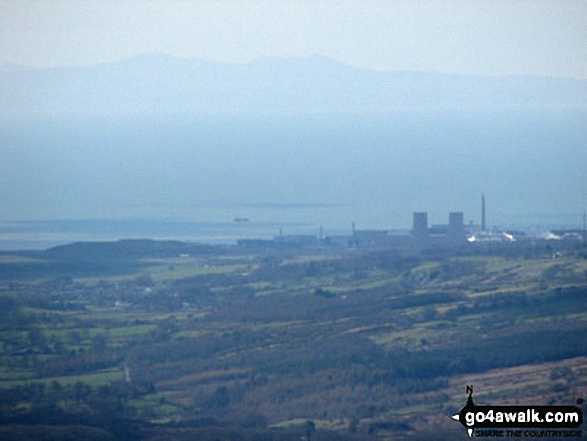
point(482, 211)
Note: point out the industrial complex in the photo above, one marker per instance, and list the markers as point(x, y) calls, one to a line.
point(422, 235)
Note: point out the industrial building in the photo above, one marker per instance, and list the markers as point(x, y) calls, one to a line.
point(422, 235)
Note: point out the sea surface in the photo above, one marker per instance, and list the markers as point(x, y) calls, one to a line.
point(189, 178)
point(40, 235)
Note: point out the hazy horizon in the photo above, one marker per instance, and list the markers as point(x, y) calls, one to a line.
point(258, 106)
point(462, 37)
point(214, 168)
point(164, 56)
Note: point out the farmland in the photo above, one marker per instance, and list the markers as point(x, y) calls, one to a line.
point(234, 343)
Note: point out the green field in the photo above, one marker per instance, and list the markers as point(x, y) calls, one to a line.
point(352, 341)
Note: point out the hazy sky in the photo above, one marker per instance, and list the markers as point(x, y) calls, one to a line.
point(480, 37)
point(379, 170)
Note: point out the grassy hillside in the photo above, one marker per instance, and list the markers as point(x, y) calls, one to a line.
point(328, 345)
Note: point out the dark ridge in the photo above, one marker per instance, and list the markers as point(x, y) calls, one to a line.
point(127, 249)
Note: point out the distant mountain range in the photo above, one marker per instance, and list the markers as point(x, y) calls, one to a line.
point(164, 85)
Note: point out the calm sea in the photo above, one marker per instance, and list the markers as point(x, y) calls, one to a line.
point(190, 177)
point(41, 235)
